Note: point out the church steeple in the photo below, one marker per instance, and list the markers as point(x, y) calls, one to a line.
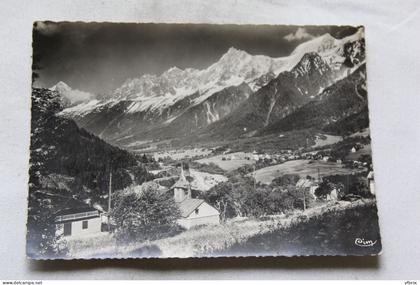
point(182, 188)
point(182, 176)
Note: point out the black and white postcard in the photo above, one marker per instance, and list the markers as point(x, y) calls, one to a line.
point(198, 140)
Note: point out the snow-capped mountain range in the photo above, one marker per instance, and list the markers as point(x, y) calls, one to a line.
point(162, 99)
point(234, 67)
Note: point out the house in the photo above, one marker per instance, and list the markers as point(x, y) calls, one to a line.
point(371, 182)
point(193, 211)
point(333, 196)
point(197, 212)
point(309, 185)
point(78, 222)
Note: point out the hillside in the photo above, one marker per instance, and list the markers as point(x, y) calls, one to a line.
point(69, 166)
point(342, 104)
point(350, 125)
point(213, 109)
point(240, 235)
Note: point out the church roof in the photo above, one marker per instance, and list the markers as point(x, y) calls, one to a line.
point(181, 184)
point(188, 206)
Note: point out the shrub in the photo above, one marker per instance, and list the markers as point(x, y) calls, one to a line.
point(352, 184)
point(285, 180)
point(142, 213)
point(326, 187)
point(211, 167)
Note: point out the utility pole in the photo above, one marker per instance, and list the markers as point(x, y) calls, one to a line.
point(347, 183)
point(304, 202)
point(109, 199)
point(254, 177)
point(319, 176)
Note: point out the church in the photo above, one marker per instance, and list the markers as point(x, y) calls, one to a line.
point(194, 212)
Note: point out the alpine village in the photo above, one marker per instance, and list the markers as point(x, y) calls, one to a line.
point(251, 156)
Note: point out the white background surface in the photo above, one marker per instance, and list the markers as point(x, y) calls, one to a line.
point(393, 51)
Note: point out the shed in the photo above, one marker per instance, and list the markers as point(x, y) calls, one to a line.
point(371, 182)
point(78, 222)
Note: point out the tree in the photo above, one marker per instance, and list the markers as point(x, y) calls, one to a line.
point(233, 198)
point(144, 159)
point(285, 180)
point(42, 240)
point(360, 187)
point(220, 197)
point(142, 213)
point(326, 187)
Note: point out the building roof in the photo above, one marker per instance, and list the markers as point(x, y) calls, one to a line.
point(76, 214)
point(188, 206)
point(181, 184)
point(70, 211)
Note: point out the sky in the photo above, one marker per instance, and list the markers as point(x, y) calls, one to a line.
point(100, 57)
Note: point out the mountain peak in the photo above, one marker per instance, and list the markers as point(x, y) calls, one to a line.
point(327, 36)
point(309, 62)
point(232, 49)
point(71, 96)
point(234, 53)
point(172, 72)
point(174, 69)
point(60, 86)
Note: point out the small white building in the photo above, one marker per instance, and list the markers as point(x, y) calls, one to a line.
point(371, 182)
point(308, 185)
point(333, 196)
point(193, 211)
point(197, 212)
point(78, 222)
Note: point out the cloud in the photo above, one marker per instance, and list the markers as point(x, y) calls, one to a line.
point(300, 34)
point(77, 96)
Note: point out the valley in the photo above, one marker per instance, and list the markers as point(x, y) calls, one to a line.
point(207, 161)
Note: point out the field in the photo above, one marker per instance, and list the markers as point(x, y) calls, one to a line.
point(178, 154)
point(249, 232)
point(233, 160)
point(326, 140)
point(356, 155)
point(204, 180)
point(301, 167)
point(331, 233)
point(363, 133)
